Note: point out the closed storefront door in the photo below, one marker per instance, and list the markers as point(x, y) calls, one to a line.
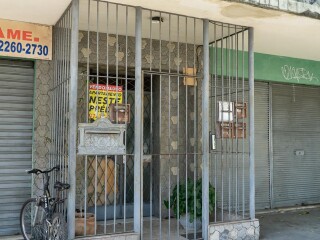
point(16, 121)
point(262, 163)
point(296, 141)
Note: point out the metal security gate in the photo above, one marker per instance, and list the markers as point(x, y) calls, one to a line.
point(152, 148)
point(296, 154)
point(16, 123)
point(231, 122)
point(262, 145)
point(174, 157)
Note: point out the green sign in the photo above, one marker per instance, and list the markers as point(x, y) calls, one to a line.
point(266, 67)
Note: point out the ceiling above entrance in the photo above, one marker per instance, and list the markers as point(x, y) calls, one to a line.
point(276, 32)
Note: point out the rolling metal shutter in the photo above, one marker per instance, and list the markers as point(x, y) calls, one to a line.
point(16, 122)
point(262, 166)
point(296, 127)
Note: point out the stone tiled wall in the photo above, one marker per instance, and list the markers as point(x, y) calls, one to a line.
point(42, 116)
point(240, 230)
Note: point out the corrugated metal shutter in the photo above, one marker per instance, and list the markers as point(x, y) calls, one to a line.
point(16, 111)
point(296, 126)
point(262, 166)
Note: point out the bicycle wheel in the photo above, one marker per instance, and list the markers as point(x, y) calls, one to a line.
point(58, 227)
point(33, 225)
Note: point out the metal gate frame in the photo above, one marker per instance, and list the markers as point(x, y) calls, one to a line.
point(138, 167)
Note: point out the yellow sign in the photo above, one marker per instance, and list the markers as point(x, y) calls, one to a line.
point(100, 97)
point(25, 40)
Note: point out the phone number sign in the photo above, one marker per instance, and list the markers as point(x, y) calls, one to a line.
point(25, 40)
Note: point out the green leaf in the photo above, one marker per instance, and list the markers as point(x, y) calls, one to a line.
point(188, 197)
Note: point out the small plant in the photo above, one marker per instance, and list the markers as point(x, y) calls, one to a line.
point(190, 202)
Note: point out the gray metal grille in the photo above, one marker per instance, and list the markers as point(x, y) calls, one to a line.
point(160, 62)
point(295, 140)
point(105, 183)
point(229, 111)
point(16, 127)
point(59, 140)
point(262, 114)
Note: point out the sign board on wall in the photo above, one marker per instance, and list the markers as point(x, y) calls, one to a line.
point(100, 97)
point(25, 40)
point(269, 67)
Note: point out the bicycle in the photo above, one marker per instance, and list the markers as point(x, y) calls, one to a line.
point(38, 217)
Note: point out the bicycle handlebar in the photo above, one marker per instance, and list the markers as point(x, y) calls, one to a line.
point(38, 171)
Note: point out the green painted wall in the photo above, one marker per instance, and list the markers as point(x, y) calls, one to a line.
point(267, 67)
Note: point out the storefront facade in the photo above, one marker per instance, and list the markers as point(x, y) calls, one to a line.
point(171, 89)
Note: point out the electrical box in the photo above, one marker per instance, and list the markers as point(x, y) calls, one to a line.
point(119, 113)
point(190, 80)
point(240, 130)
point(241, 110)
point(224, 130)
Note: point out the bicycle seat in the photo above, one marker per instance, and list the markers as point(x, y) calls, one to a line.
point(61, 186)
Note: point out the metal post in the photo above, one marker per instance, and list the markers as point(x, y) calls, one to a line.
point(73, 118)
point(138, 126)
point(251, 119)
point(205, 131)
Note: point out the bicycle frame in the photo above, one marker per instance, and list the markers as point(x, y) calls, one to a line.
point(45, 201)
point(43, 214)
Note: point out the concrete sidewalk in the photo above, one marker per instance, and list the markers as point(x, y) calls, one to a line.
point(289, 224)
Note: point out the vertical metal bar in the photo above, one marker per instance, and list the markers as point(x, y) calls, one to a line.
point(151, 153)
point(237, 141)
point(59, 94)
point(105, 194)
point(178, 124)
point(194, 123)
point(66, 102)
point(243, 168)
point(215, 118)
point(221, 141)
point(138, 126)
point(116, 103)
point(95, 189)
point(107, 82)
point(169, 157)
point(271, 145)
point(97, 115)
point(125, 137)
point(186, 120)
point(85, 195)
point(97, 62)
point(61, 90)
point(151, 119)
point(160, 132)
point(229, 100)
point(87, 119)
point(169, 137)
point(160, 43)
point(205, 132)
point(73, 118)
point(251, 122)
